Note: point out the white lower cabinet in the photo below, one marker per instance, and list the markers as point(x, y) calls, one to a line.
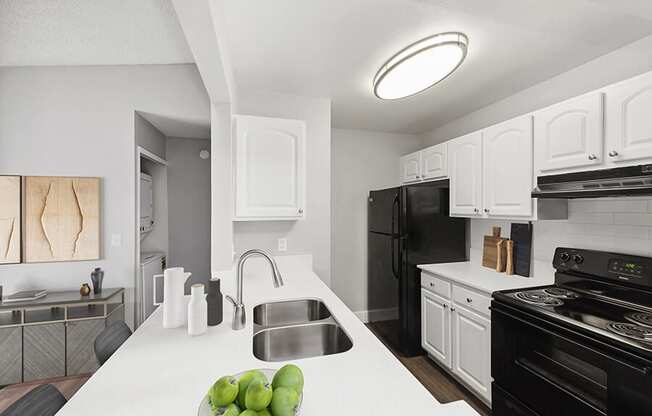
point(472, 350)
point(436, 326)
point(458, 337)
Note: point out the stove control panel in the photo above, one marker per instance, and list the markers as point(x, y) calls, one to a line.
point(612, 266)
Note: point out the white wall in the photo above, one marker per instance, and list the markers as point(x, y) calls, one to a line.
point(623, 63)
point(189, 207)
point(621, 225)
point(149, 137)
point(311, 235)
point(79, 121)
point(361, 161)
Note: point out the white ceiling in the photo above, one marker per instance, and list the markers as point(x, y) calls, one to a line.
point(90, 32)
point(332, 48)
point(172, 126)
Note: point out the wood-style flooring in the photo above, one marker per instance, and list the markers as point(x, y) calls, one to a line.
point(442, 386)
point(66, 385)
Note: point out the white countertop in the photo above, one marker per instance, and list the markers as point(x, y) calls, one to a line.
point(166, 372)
point(473, 274)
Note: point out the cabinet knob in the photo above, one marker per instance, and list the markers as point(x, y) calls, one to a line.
point(592, 156)
point(486, 210)
point(445, 306)
point(432, 284)
point(452, 309)
point(300, 210)
point(613, 153)
point(469, 300)
point(476, 210)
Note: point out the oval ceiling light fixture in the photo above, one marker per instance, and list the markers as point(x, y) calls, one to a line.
point(420, 66)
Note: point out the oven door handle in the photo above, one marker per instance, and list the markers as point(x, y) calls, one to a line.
point(645, 370)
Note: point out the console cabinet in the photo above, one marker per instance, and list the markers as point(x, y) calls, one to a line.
point(54, 336)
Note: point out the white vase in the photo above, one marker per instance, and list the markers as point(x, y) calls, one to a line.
point(174, 301)
point(197, 310)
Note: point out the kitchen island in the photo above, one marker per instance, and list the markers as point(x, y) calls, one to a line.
point(166, 372)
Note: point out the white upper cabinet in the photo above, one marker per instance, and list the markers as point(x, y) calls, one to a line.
point(507, 149)
point(629, 121)
point(465, 168)
point(269, 167)
point(411, 167)
point(569, 135)
point(434, 162)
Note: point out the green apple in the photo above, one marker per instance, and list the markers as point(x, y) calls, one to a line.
point(249, 412)
point(223, 392)
point(258, 395)
point(289, 376)
point(230, 410)
point(264, 412)
point(244, 381)
point(285, 402)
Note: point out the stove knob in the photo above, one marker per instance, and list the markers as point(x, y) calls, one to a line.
point(578, 259)
point(564, 256)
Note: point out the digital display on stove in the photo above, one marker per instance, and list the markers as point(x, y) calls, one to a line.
point(626, 268)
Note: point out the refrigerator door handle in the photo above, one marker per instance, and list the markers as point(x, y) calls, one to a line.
point(393, 248)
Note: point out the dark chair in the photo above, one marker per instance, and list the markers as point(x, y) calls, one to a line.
point(44, 400)
point(110, 340)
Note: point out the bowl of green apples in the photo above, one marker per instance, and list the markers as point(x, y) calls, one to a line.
point(257, 392)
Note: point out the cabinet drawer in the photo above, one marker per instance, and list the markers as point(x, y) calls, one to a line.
point(436, 285)
point(472, 300)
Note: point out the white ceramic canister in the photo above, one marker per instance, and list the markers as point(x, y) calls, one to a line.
point(174, 302)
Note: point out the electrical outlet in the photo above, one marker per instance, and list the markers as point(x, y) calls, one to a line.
point(116, 240)
point(282, 244)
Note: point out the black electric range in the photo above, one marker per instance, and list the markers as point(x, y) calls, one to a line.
point(582, 346)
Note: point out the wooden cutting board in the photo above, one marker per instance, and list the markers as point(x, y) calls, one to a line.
point(489, 251)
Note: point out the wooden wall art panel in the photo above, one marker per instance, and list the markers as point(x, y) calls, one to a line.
point(61, 217)
point(10, 224)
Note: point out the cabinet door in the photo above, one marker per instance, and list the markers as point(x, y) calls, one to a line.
point(465, 161)
point(411, 167)
point(269, 168)
point(629, 121)
point(434, 162)
point(44, 351)
point(569, 135)
point(507, 165)
point(80, 351)
point(11, 355)
point(472, 350)
point(435, 327)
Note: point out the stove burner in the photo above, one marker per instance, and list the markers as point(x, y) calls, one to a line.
point(640, 318)
point(558, 292)
point(538, 298)
point(632, 331)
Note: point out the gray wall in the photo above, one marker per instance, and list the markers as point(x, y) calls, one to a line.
point(361, 161)
point(149, 137)
point(623, 63)
point(311, 235)
point(189, 207)
point(79, 121)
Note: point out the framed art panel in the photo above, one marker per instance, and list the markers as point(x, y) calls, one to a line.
point(10, 224)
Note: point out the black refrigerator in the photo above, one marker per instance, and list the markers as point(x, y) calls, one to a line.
point(408, 225)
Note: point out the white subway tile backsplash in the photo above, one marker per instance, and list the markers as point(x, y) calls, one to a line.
point(590, 218)
point(612, 224)
point(633, 219)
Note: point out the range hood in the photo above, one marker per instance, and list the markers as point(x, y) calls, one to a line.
point(625, 181)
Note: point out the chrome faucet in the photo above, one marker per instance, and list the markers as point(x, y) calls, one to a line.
point(239, 318)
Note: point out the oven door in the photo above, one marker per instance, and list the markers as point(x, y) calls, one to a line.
point(556, 372)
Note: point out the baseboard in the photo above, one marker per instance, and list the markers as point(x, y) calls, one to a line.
point(377, 315)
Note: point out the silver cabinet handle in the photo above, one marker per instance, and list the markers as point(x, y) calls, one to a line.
point(592, 156)
point(469, 300)
point(452, 309)
point(476, 210)
point(486, 210)
point(300, 210)
point(613, 153)
point(445, 306)
point(432, 284)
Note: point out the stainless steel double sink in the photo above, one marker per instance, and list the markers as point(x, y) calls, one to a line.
point(293, 329)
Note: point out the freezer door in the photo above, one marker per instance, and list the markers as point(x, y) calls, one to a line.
point(384, 210)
